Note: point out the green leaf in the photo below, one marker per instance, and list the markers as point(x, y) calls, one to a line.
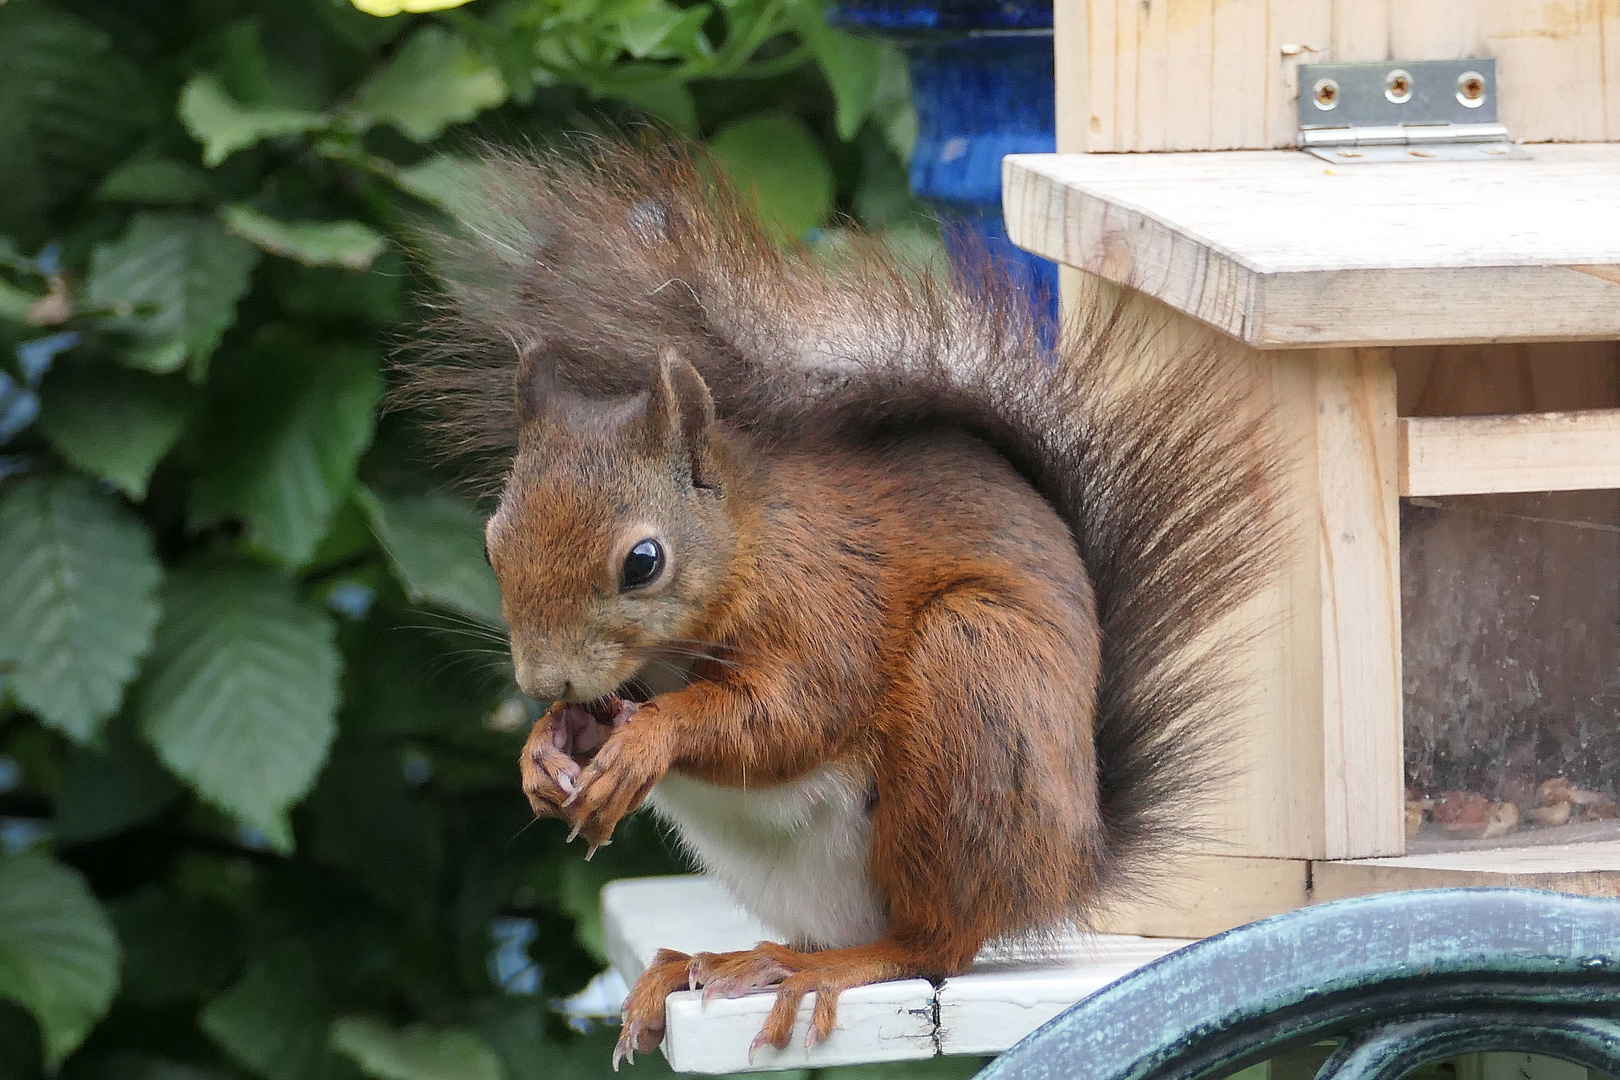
point(435, 543)
point(187, 270)
point(224, 125)
point(175, 948)
point(15, 303)
point(313, 243)
point(241, 691)
point(454, 184)
point(70, 108)
point(892, 106)
point(415, 1053)
point(407, 676)
point(107, 790)
point(775, 160)
point(78, 584)
point(274, 1021)
point(160, 181)
point(21, 1054)
point(364, 822)
point(516, 1031)
point(58, 953)
point(331, 294)
point(434, 81)
point(852, 66)
point(663, 31)
point(669, 100)
point(124, 1066)
point(287, 422)
point(111, 422)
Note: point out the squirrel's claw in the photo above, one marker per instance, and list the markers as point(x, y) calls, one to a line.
point(625, 1048)
point(617, 781)
point(644, 1008)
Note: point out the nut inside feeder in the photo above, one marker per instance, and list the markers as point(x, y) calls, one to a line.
point(1510, 616)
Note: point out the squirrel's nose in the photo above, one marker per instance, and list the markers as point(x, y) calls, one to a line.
point(545, 683)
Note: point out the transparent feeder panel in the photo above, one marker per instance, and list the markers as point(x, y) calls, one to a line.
point(1510, 651)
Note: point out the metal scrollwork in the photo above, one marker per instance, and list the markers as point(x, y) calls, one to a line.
point(1403, 979)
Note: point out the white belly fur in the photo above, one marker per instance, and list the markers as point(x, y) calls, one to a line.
point(794, 855)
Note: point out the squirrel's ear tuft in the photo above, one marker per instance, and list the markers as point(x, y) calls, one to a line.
point(680, 417)
point(536, 384)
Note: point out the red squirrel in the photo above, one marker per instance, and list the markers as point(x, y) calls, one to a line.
point(881, 602)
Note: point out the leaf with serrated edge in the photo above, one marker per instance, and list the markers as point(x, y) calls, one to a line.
point(113, 423)
point(286, 425)
point(78, 599)
point(435, 80)
point(186, 268)
point(71, 108)
point(58, 952)
point(240, 692)
point(415, 1053)
point(224, 125)
point(313, 243)
point(435, 543)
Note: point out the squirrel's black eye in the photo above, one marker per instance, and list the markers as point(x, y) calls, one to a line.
point(642, 566)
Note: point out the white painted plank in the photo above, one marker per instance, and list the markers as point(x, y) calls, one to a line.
point(1000, 1002)
point(1014, 987)
point(886, 1022)
point(891, 1021)
point(1278, 249)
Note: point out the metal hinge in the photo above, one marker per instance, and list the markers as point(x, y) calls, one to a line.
point(1402, 110)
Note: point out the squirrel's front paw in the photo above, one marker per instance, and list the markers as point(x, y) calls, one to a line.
point(618, 779)
point(550, 774)
point(560, 743)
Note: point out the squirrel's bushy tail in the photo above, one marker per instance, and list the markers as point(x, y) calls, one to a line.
point(606, 255)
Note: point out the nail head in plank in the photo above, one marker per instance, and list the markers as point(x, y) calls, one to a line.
point(1278, 249)
point(1470, 455)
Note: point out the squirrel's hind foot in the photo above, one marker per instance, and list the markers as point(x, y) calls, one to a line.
point(643, 1012)
point(792, 973)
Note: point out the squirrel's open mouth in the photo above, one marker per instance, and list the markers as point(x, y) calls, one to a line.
point(583, 727)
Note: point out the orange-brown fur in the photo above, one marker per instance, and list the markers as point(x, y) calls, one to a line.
point(904, 538)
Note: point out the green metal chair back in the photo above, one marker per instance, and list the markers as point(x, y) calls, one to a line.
point(1403, 979)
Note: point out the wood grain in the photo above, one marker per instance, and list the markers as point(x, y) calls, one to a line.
point(1215, 893)
point(1558, 62)
point(1469, 455)
point(1587, 869)
point(1212, 893)
point(1279, 250)
point(1316, 756)
point(1358, 545)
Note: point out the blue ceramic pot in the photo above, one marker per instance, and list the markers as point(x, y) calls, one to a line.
point(981, 79)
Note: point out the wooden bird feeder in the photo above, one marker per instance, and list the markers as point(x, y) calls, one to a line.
point(1427, 303)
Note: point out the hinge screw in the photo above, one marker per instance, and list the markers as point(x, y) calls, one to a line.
point(1398, 86)
point(1326, 94)
point(1471, 89)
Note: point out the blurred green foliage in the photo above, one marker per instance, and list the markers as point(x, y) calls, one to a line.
point(259, 813)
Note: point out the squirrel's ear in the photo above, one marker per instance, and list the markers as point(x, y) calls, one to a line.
point(680, 417)
point(536, 384)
